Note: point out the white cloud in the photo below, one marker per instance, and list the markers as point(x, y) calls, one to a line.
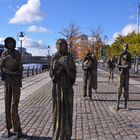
point(129, 29)
point(53, 50)
point(34, 28)
point(2, 40)
point(125, 31)
point(115, 35)
point(110, 42)
point(28, 13)
point(37, 48)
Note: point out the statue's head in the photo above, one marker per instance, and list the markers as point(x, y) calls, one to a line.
point(10, 43)
point(125, 47)
point(62, 46)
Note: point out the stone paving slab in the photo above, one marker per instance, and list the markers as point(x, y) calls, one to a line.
point(94, 119)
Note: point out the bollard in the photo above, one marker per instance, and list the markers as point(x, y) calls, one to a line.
point(22, 76)
point(45, 68)
point(37, 70)
point(40, 69)
point(48, 67)
point(33, 70)
point(28, 70)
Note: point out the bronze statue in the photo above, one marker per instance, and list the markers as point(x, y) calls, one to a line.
point(63, 74)
point(111, 67)
point(94, 79)
point(88, 75)
point(124, 64)
point(11, 69)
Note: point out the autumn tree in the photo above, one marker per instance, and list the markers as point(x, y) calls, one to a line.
point(81, 48)
point(97, 40)
point(133, 40)
point(71, 33)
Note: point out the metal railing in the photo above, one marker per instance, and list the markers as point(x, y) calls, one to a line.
point(33, 70)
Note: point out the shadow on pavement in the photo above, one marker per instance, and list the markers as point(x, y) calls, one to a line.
point(105, 92)
point(134, 84)
point(111, 100)
point(131, 109)
point(113, 93)
point(103, 100)
point(26, 137)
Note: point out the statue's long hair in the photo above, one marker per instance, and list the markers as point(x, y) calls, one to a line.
point(11, 40)
point(62, 41)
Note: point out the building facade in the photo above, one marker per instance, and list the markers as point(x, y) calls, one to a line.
point(25, 54)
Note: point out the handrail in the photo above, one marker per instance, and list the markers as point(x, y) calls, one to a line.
point(32, 70)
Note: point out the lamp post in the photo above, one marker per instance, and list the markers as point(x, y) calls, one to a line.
point(21, 37)
point(137, 58)
point(48, 50)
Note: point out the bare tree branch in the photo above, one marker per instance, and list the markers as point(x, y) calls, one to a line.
point(71, 33)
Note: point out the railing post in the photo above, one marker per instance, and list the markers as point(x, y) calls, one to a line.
point(22, 72)
point(28, 70)
point(48, 67)
point(37, 69)
point(33, 70)
point(40, 69)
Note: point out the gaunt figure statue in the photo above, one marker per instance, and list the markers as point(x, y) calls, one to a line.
point(88, 75)
point(63, 74)
point(111, 67)
point(124, 64)
point(95, 73)
point(11, 69)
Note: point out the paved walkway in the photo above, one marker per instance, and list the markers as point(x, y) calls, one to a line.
point(29, 86)
point(92, 119)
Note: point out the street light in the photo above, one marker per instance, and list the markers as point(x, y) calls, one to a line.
point(48, 50)
point(21, 37)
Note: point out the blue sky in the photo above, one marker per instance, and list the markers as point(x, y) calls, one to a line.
point(41, 20)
